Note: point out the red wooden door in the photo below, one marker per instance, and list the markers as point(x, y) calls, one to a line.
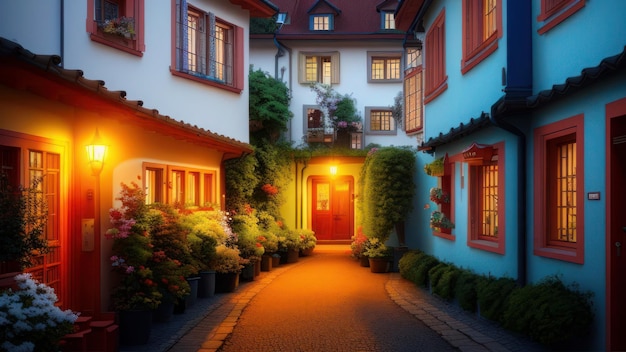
point(616, 237)
point(332, 209)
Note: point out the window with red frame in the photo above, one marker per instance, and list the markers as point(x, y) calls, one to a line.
point(208, 49)
point(559, 201)
point(117, 23)
point(435, 80)
point(554, 12)
point(486, 197)
point(413, 83)
point(482, 26)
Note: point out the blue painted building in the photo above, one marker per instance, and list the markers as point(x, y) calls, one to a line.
point(526, 101)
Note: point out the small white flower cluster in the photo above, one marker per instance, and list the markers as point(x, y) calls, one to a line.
point(29, 311)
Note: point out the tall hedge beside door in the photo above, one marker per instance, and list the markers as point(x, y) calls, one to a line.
point(387, 190)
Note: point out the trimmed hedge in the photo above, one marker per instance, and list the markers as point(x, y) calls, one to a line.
point(548, 312)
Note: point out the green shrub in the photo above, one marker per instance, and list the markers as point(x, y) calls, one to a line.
point(465, 290)
point(549, 312)
point(408, 265)
point(421, 272)
point(435, 273)
point(446, 284)
point(493, 295)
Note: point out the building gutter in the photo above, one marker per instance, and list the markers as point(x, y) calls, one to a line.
point(497, 117)
point(280, 53)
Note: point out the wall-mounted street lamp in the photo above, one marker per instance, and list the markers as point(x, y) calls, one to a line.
point(96, 152)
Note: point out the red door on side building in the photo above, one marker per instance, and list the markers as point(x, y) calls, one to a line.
point(332, 208)
point(616, 226)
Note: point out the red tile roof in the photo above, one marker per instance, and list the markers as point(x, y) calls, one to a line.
point(42, 75)
point(354, 19)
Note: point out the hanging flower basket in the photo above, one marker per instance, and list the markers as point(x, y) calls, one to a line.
point(438, 196)
point(435, 168)
point(439, 220)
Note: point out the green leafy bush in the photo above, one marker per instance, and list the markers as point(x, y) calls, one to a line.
point(445, 287)
point(493, 295)
point(465, 290)
point(421, 272)
point(549, 312)
point(435, 273)
point(408, 264)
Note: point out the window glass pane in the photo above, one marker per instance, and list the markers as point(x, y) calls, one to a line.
point(389, 21)
point(489, 16)
point(489, 200)
point(178, 186)
point(311, 68)
point(321, 23)
point(380, 121)
point(322, 196)
point(153, 180)
point(566, 192)
point(393, 69)
point(193, 188)
point(326, 70)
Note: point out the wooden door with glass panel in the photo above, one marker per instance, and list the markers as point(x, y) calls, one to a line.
point(332, 209)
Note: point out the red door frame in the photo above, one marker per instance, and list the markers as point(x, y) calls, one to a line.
point(616, 190)
point(331, 215)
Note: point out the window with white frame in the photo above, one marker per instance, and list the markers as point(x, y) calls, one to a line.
point(318, 68)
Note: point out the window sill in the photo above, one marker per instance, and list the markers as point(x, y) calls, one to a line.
point(551, 20)
point(489, 246)
point(567, 255)
point(477, 56)
point(207, 82)
point(447, 236)
point(434, 93)
point(128, 45)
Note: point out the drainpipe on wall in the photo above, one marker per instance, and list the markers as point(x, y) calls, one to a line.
point(280, 53)
point(498, 120)
point(62, 34)
point(306, 163)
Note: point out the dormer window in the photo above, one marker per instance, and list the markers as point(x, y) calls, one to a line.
point(387, 19)
point(319, 22)
point(322, 16)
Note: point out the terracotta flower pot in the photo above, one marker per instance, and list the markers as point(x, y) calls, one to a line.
point(379, 265)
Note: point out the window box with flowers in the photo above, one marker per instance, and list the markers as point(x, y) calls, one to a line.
point(435, 168)
point(122, 27)
point(439, 196)
point(439, 221)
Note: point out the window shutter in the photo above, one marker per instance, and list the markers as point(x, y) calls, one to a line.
point(334, 63)
point(301, 68)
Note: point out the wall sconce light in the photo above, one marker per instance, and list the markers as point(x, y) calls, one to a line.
point(333, 170)
point(96, 152)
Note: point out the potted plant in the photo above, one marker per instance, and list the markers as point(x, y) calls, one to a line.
point(438, 221)
point(438, 196)
point(435, 168)
point(289, 245)
point(378, 255)
point(308, 242)
point(31, 321)
point(227, 265)
point(136, 293)
point(23, 219)
point(357, 247)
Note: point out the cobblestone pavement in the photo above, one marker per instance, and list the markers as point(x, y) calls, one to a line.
point(327, 302)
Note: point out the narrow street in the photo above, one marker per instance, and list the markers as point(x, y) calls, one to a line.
point(328, 302)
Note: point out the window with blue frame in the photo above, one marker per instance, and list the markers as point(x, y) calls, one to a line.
point(387, 20)
point(321, 22)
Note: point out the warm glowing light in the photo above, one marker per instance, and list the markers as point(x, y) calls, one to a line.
point(96, 152)
point(333, 170)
